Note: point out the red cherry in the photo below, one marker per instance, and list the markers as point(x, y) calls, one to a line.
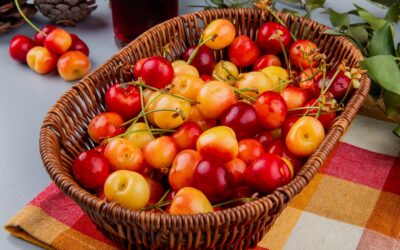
point(265, 61)
point(242, 118)
point(157, 72)
point(123, 100)
point(278, 147)
point(299, 51)
point(138, 68)
point(100, 149)
point(39, 37)
point(105, 125)
point(287, 124)
point(267, 173)
point(243, 52)
point(204, 61)
point(91, 169)
point(338, 87)
point(265, 138)
point(186, 136)
point(19, 47)
point(206, 78)
point(213, 180)
point(249, 150)
point(78, 45)
point(325, 118)
point(268, 37)
point(237, 168)
point(271, 109)
point(156, 191)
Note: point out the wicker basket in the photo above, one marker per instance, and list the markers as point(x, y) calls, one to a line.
point(63, 136)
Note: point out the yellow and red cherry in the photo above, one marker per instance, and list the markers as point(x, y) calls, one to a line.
point(295, 97)
point(39, 36)
point(338, 86)
point(265, 138)
point(123, 155)
point(187, 86)
point(197, 117)
point(226, 71)
point(78, 45)
point(219, 34)
point(278, 76)
point(19, 47)
point(58, 41)
point(166, 116)
point(300, 54)
point(157, 72)
point(124, 100)
point(139, 134)
point(91, 169)
point(237, 168)
point(73, 65)
point(255, 81)
point(308, 78)
point(156, 190)
point(161, 152)
point(267, 173)
point(265, 61)
point(185, 69)
point(186, 136)
point(243, 52)
point(190, 200)
point(249, 150)
point(305, 136)
point(138, 68)
point(278, 147)
point(105, 125)
point(41, 60)
point(218, 143)
point(271, 110)
point(242, 118)
point(204, 60)
point(212, 178)
point(181, 173)
point(326, 118)
point(214, 98)
point(127, 188)
point(273, 37)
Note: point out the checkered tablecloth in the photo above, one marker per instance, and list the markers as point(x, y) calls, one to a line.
point(353, 202)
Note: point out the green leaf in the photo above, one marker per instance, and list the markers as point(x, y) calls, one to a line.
point(314, 4)
point(383, 69)
point(393, 13)
point(392, 103)
point(386, 3)
point(359, 33)
point(337, 19)
point(376, 23)
point(382, 42)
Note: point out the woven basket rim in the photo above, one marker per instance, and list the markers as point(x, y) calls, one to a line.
point(279, 197)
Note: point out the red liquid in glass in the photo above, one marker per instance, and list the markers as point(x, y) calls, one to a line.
point(132, 17)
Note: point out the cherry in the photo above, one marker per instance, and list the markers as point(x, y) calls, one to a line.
point(338, 87)
point(295, 97)
point(186, 136)
point(243, 52)
point(78, 45)
point(206, 78)
point(58, 41)
point(267, 173)
point(19, 47)
point(204, 61)
point(236, 167)
point(157, 72)
point(325, 118)
point(124, 100)
point(138, 68)
point(271, 110)
point(156, 191)
point(241, 117)
point(265, 138)
point(39, 37)
point(249, 150)
point(265, 61)
point(213, 180)
point(91, 169)
point(268, 37)
point(105, 125)
point(299, 54)
point(278, 147)
point(287, 124)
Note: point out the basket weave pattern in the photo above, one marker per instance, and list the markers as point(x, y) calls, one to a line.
point(63, 136)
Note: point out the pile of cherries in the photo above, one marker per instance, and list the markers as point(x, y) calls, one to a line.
point(52, 47)
point(197, 135)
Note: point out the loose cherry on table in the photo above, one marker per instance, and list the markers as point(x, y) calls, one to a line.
point(19, 47)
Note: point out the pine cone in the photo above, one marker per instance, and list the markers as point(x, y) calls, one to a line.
point(10, 18)
point(66, 12)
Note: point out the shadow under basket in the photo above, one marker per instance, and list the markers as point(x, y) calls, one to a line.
point(63, 136)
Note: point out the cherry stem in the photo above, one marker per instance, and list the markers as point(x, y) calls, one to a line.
point(240, 92)
point(164, 196)
point(142, 104)
point(143, 114)
point(163, 91)
point(249, 90)
point(281, 22)
point(157, 205)
point(346, 94)
point(286, 57)
point(27, 19)
point(196, 50)
point(153, 131)
point(245, 199)
point(311, 77)
point(229, 73)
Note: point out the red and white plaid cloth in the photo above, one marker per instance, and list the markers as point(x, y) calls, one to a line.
point(352, 203)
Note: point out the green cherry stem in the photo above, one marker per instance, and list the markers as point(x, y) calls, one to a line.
point(281, 22)
point(196, 50)
point(286, 57)
point(27, 19)
point(245, 199)
point(229, 73)
point(142, 104)
point(241, 93)
point(164, 196)
point(143, 115)
point(157, 205)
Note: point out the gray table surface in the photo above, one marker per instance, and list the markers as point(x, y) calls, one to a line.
point(26, 97)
